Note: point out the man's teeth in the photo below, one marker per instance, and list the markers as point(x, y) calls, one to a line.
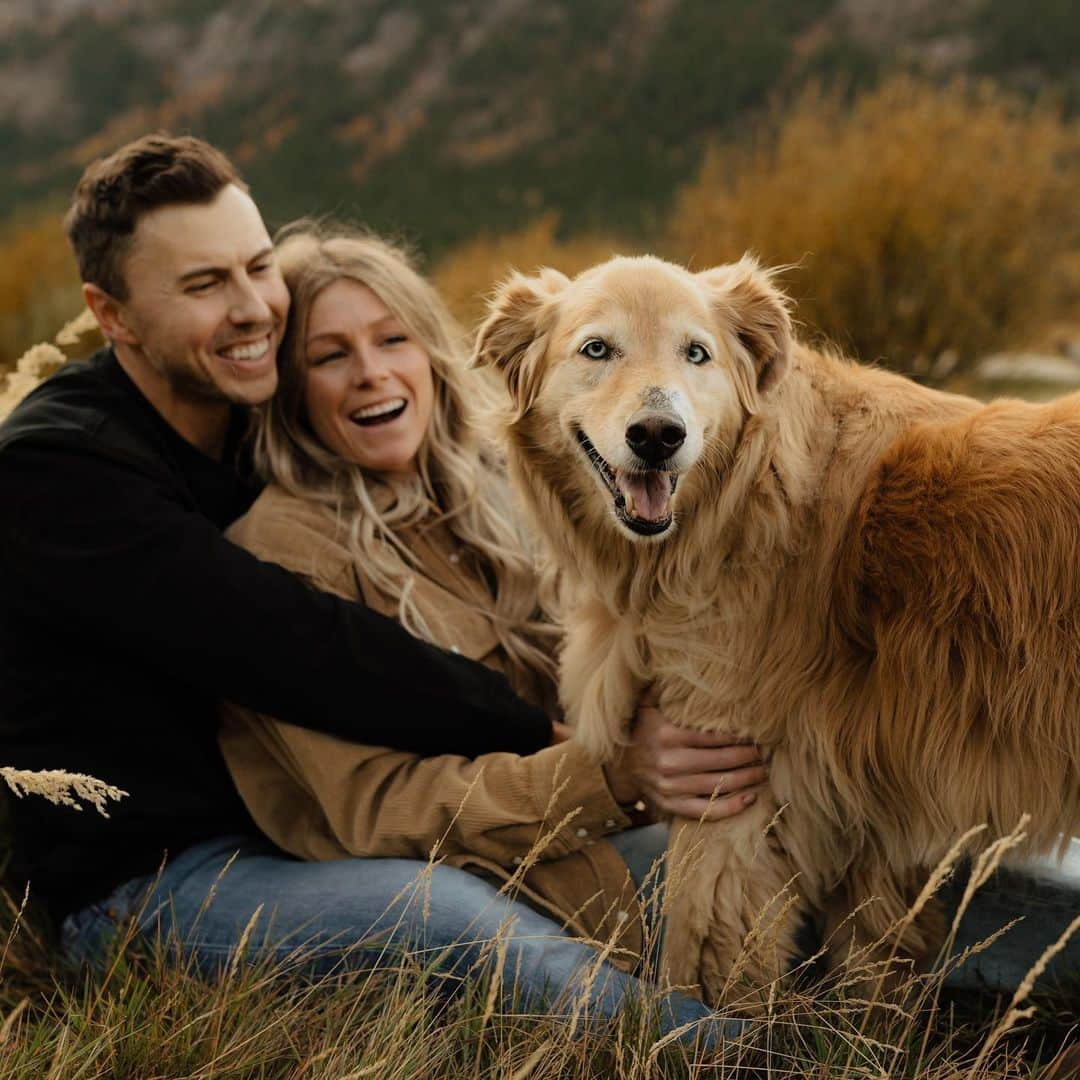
point(384, 407)
point(247, 352)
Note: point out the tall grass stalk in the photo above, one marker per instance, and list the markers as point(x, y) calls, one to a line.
point(150, 1013)
point(61, 788)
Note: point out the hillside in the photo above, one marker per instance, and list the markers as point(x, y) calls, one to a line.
point(452, 118)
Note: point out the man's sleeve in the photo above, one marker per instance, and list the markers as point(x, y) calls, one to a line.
point(114, 556)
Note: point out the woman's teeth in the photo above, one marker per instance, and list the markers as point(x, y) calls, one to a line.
point(384, 410)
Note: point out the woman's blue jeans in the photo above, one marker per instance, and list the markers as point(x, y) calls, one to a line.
point(361, 913)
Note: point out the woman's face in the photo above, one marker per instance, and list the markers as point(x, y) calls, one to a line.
point(368, 384)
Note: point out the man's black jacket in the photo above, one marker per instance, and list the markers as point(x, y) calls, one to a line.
point(125, 616)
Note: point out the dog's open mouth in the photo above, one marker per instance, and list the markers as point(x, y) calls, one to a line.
point(642, 497)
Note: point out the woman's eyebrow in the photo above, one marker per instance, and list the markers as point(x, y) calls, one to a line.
point(336, 334)
point(376, 325)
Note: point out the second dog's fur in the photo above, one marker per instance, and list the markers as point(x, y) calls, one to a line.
point(876, 582)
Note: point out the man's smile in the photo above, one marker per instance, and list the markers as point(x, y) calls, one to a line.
point(249, 355)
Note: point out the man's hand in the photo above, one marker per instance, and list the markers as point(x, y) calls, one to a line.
point(693, 774)
point(560, 732)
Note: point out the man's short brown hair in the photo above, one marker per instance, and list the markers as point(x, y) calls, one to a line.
point(114, 192)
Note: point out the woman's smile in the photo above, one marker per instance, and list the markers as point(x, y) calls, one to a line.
point(384, 412)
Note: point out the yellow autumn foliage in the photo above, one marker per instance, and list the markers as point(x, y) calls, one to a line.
point(39, 284)
point(925, 222)
point(926, 225)
point(467, 276)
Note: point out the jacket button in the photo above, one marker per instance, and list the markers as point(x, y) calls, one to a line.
point(583, 832)
point(610, 823)
point(517, 860)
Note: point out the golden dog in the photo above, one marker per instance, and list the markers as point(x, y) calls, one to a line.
point(876, 582)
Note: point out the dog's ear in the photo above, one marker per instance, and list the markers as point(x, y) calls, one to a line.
point(758, 317)
point(513, 338)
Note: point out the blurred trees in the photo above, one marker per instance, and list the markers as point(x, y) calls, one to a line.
point(468, 275)
point(925, 223)
point(39, 285)
point(926, 226)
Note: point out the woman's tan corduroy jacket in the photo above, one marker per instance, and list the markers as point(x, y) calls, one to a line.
point(536, 823)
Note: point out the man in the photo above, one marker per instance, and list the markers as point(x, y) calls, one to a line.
point(125, 616)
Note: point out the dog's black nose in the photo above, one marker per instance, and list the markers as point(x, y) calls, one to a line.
point(654, 437)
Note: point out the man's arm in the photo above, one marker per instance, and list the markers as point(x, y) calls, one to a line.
point(114, 556)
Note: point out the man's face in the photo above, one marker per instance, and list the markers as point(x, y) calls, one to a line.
point(206, 304)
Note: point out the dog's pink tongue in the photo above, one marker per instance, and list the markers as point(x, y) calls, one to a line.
point(647, 495)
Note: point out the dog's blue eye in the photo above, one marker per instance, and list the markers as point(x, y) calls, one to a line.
point(697, 353)
point(595, 349)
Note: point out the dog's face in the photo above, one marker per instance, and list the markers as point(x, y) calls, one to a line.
point(634, 370)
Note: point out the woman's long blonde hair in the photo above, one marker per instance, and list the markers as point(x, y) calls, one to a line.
point(457, 481)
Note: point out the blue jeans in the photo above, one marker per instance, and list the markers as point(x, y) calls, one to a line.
point(359, 913)
point(362, 913)
point(1046, 894)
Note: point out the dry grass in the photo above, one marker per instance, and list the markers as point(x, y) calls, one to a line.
point(77, 339)
point(31, 369)
point(149, 1015)
point(61, 788)
point(925, 222)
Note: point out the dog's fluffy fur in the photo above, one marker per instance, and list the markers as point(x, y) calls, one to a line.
point(876, 582)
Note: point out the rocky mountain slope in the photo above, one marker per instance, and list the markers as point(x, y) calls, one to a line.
point(458, 115)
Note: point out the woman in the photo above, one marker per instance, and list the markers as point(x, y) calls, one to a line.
point(379, 490)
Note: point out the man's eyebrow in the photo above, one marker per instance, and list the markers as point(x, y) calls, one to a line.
point(221, 271)
point(203, 271)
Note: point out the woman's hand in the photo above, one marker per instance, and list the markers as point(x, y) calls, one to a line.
point(693, 774)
